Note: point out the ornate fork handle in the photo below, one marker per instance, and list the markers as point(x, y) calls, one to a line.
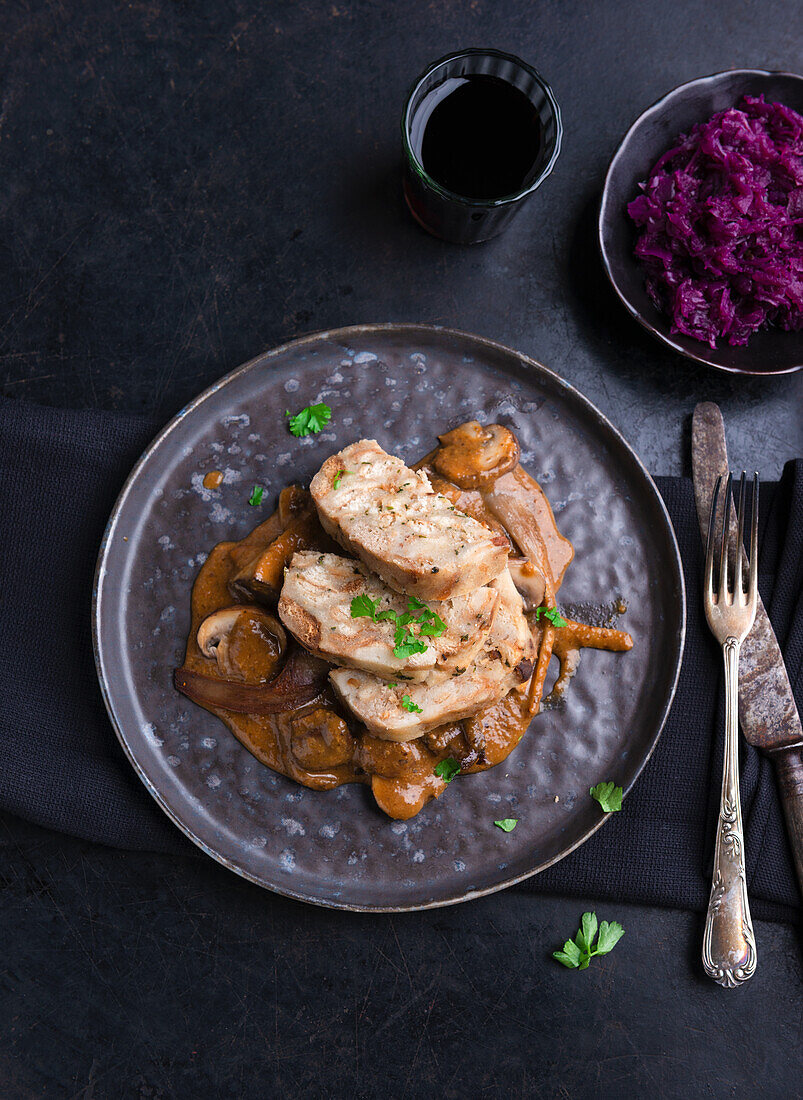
point(729, 946)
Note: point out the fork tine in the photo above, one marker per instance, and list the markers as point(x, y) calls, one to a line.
point(752, 591)
point(723, 551)
point(738, 584)
point(709, 545)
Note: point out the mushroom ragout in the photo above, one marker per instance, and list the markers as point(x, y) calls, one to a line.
point(311, 641)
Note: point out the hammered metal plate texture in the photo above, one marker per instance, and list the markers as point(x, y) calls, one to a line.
point(400, 384)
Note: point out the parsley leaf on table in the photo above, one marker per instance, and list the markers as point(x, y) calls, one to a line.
point(256, 496)
point(447, 769)
point(609, 936)
point(310, 420)
point(570, 956)
point(576, 954)
point(507, 824)
point(550, 613)
point(608, 795)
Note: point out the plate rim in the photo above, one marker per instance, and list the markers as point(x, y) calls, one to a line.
point(344, 332)
point(668, 338)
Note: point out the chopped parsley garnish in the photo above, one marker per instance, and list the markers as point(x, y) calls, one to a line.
point(406, 643)
point(310, 420)
point(338, 478)
point(447, 769)
point(256, 496)
point(579, 952)
point(363, 605)
point(409, 705)
point(391, 683)
point(550, 613)
point(608, 795)
point(507, 824)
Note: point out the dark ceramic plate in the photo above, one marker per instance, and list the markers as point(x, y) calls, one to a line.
point(770, 352)
point(401, 384)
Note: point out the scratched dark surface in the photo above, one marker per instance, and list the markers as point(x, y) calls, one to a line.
point(181, 187)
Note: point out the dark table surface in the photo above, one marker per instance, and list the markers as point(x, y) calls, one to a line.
point(183, 186)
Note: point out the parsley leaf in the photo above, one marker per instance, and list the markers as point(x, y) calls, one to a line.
point(363, 605)
point(576, 954)
point(550, 613)
point(406, 644)
point(434, 628)
point(447, 769)
point(570, 955)
point(310, 420)
point(609, 936)
point(608, 795)
point(507, 824)
point(586, 932)
point(256, 496)
point(338, 478)
point(409, 705)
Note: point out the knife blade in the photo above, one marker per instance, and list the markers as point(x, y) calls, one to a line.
point(768, 714)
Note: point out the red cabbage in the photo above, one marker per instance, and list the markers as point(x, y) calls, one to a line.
point(721, 224)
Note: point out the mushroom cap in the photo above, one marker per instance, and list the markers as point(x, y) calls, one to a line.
point(473, 456)
point(215, 633)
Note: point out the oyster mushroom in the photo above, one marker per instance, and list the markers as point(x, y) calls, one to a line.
point(473, 457)
point(529, 582)
point(246, 641)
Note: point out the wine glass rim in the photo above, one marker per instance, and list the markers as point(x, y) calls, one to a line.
point(455, 196)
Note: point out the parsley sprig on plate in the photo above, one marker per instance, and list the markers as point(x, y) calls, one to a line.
point(406, 642)
point(578, 953)
point(310, 420)
point(447, 769)
point(550, 613)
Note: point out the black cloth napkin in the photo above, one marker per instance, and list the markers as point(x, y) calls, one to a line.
point(62, 767)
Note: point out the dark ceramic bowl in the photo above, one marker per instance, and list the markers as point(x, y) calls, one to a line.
point(653, 132)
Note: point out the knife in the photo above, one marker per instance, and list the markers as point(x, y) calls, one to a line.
point(767, 711)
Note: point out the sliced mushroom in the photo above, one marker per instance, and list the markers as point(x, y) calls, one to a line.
point(293, 500)
point(246, 642)
point(302, 679)
point(438, 739)
point(262, 577)
point(321, 739)
point(392, 759)
point(473, 457)
point(521, 504)
point(529, 582)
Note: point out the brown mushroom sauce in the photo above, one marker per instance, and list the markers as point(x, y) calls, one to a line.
point(320, 745)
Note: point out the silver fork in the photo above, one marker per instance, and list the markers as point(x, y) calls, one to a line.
point(729, 946)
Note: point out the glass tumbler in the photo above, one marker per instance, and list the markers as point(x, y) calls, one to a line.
point(460, 218)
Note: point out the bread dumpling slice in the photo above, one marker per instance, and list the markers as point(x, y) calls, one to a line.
point(391, 518)
point(316, 607)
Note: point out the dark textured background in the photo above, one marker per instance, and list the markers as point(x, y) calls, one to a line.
point(184, 185)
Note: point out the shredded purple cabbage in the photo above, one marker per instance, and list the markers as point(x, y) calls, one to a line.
point(721, 224)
